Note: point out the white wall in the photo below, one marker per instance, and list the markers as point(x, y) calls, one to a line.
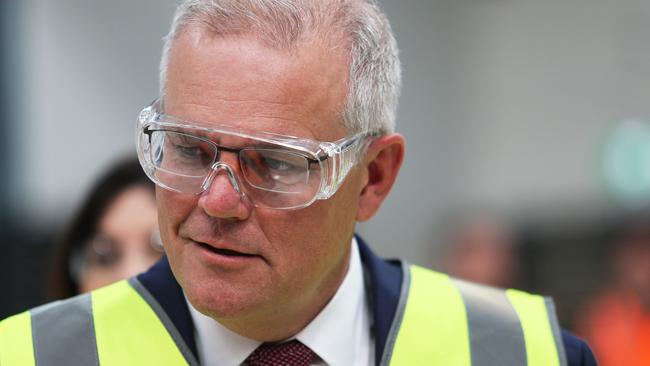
point(87, 68)
point(540, 82)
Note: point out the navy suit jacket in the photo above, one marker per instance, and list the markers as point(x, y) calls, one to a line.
point(384, 290)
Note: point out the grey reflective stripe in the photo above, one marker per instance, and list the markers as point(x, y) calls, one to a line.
point(164, 318)
point(399, 315)
point(557, 334)
point(496, 336)
point(64, 333)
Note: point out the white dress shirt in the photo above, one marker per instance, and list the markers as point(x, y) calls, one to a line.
point(340, 334)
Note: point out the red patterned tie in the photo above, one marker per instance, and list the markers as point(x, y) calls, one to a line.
point(291, 353)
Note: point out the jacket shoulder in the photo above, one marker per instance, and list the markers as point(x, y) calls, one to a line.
point(577, 351)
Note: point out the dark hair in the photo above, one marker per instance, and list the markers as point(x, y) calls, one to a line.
point(122, 175)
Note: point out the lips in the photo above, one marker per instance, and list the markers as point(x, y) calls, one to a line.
point(224, 249)
point(226, 252)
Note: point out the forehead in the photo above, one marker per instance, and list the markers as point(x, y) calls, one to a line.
point(240, 81)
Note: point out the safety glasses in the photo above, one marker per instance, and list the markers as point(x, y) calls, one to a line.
point(270, 170)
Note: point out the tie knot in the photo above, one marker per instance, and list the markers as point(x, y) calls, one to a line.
point(292, 353)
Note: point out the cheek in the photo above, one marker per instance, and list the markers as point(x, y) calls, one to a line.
point(173, 209)
point(172, 205)
point(311, 239)
point(293, 230)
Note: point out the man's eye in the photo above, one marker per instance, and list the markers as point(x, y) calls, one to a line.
point(188, 151)
point(279, 165)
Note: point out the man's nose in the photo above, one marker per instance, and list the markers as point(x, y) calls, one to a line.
point(223, 197)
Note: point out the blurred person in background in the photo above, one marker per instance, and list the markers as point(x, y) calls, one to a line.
point(616, 322)
point(479, 248)
point(114, 234)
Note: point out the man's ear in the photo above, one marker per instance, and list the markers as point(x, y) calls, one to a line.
point(383, 161)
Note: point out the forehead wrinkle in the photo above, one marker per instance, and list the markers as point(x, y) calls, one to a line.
point(253, 108)
point(241, 117)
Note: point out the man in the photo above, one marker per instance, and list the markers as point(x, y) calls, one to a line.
point(273, 136)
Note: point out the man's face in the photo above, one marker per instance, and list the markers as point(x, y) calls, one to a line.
point(235, 262)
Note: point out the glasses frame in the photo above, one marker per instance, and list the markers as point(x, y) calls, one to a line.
point(334, 159)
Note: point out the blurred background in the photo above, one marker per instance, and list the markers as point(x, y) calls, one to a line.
point(527, 124)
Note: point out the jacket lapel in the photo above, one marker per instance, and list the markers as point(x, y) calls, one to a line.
point(384, 285)
point(162, 285)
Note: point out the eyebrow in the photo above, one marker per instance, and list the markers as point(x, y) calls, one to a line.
point(250, 142)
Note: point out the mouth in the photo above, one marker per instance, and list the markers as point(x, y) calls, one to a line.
point(225, 252)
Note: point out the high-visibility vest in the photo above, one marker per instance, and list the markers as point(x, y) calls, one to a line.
point(439, 321)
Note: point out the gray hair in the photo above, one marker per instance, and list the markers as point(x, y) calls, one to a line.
point(374, 70)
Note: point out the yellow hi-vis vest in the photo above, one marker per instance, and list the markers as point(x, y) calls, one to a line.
point(439, 321)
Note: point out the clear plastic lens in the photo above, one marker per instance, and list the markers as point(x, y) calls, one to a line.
point(275, 177)
point(275, 170)
point(185, 154)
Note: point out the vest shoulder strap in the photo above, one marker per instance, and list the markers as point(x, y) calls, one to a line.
point(16, 341)
point(445, 321)
point(121, 324)
point(129, 331)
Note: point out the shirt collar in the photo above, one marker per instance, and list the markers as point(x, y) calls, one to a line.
point(218, 345)
point(348, 306)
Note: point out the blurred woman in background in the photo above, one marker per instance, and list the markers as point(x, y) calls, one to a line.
point(113, 236)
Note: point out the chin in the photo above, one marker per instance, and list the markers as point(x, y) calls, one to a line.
point(219, 300)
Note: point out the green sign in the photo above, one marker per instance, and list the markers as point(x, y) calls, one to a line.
point(626, 160)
